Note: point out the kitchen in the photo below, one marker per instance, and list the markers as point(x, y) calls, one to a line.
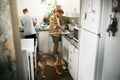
point(45, 43)
point(98, 53)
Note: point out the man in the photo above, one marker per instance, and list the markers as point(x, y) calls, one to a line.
point(27, 22)
point(55, 28)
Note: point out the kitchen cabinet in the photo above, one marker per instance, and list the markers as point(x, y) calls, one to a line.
point(45, 43)
point(65, 48)
point(72, 8)
point(73, 61)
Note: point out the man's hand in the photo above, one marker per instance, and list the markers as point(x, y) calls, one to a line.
point(62, 28)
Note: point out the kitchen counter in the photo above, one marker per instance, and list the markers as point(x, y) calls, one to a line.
point(37, 31)
point(36, 28)
point(68, 45)
point(71, 40)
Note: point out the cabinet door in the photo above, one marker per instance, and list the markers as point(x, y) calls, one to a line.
point(71, 49)
point(63, 3)
point(73, 6)
point(71, 63)
point(45, 42)
point(75, 64)
point(65, 48)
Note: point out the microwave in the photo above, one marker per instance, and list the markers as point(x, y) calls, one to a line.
point(75, 33)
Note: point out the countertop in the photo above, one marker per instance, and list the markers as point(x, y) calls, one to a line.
point(37, 30)
point(71, 40)
point(67, 36)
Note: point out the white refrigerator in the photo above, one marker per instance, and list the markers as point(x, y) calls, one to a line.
point(89, 39)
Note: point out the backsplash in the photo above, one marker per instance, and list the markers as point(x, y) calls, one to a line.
point(74, 20)
point(70, 20)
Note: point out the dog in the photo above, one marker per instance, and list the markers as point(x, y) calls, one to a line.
point(51, 60)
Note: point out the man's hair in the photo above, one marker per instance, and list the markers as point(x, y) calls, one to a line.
point(59, 11)
point(25, 10)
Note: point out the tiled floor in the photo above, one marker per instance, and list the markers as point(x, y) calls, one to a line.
point(52, 75)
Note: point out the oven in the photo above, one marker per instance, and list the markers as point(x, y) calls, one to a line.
point(75, 33)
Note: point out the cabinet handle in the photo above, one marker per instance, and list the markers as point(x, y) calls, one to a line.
point(70, 67)
point(71, 52)
point(85, 17)
point(74, 50)
point(70, 59)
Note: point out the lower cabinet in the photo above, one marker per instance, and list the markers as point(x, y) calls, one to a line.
point(73, 61)
point(45, 42)
point(65, 48)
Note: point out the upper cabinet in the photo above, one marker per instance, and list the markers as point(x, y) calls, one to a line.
point(71, 8)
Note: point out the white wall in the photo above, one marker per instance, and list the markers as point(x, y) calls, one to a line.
point(71, 7)
point(39, 10)
point(111, 65)
point(36, 8)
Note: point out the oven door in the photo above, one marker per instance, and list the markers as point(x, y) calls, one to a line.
point(76, 32)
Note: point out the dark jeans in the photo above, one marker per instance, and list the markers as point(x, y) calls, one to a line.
point(56, 39)
point(31, 36)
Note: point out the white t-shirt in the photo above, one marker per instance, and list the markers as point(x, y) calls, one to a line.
point(27, 22)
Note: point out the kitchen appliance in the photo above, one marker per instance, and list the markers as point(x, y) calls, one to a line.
point(75, 33)
point(29, 58)
point(89, 40)
point(71, 27)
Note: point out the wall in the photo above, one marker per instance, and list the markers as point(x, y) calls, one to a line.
point(111, 64)
point(7, 48)
point(36, 8)
point(39, 10)
point(71, 8)
point(17, 43)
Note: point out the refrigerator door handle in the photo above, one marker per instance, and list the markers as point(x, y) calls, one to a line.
point(91, 32)
point(99, 35)
point(85, 16)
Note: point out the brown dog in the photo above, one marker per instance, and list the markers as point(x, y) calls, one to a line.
point(51, 60)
